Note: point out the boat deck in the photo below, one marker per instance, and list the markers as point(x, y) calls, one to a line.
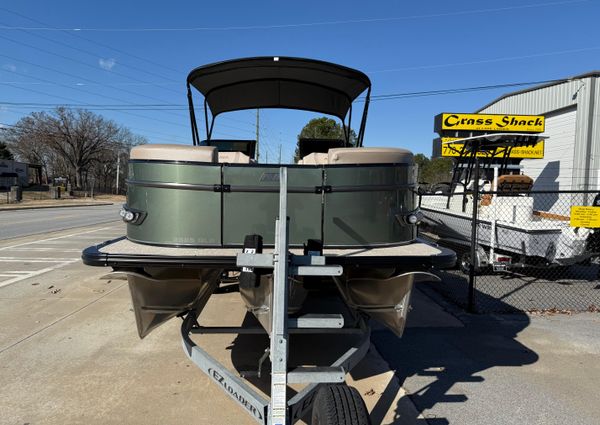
point(123, 253)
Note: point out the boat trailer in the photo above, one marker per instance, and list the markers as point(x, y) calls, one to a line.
point(279, 410)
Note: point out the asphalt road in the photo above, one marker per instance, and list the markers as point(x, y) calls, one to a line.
point(17, 223)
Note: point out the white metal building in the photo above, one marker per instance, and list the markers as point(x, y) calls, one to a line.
point(572, 110)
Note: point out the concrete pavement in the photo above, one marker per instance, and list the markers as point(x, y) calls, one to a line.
point(503, 369)
point(70, 354)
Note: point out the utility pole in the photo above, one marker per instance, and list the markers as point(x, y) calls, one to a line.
point(118, 169)
point(279, 160)
point(257, 133)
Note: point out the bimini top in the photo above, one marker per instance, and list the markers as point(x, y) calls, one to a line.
point(279, 82)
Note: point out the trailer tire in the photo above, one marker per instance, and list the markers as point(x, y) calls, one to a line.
point(339, 405)
point(465, 264)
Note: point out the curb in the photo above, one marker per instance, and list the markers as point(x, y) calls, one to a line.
point(38, 207)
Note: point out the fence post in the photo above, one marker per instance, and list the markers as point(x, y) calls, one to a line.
point(471, 300)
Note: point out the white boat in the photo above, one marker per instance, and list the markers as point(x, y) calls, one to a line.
point(509, 231)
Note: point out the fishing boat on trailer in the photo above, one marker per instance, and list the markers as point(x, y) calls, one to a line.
point(196, 212)
point(510, 232)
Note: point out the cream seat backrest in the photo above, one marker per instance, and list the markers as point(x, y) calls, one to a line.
point(315, 158)
point(175, 153)
point(234, 158)
point(369, 156)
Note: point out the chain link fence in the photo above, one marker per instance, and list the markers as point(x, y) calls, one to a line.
point(523, 254)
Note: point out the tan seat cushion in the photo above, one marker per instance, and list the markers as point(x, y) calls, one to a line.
point(234, 158)
point(514, 183)
point(370, 156)
point(175, 153)
point(315, 158)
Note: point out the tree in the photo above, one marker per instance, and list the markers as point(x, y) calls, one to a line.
point(322, 128)
point(5, 153)
point(71, 143)
point(422, 163)
point(433, 171)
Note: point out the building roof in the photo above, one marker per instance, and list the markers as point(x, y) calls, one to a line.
point(590, 74)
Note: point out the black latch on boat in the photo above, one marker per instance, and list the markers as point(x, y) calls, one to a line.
point(323, 189)
point(222, 188)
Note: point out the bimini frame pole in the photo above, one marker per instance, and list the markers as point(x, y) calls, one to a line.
point(193, 123)
point(363, 121)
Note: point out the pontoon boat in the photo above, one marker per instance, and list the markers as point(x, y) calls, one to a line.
point(345, 215)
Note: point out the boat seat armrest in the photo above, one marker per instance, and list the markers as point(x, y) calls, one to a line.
point(370, 156)
point(175, 153)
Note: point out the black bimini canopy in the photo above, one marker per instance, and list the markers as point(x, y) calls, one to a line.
point(278, 82)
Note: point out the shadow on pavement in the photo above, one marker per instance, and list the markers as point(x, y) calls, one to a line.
point(435, 362)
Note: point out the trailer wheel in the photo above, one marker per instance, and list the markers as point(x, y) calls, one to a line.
point(339, 405)
point(465, 264)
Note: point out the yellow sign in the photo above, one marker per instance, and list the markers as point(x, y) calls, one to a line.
point(531, 152)
point(489, 122)
point(585, 217)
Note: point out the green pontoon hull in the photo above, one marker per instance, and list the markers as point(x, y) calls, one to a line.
point(216, 205)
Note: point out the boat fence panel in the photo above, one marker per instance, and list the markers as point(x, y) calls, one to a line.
point(251, 203)
point(536, 251)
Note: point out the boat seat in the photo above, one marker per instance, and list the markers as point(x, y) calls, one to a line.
point(511, 184)
point(174, 153)
point(369, 156)
point(234, 158)
point(315, 158)
point(508, 185)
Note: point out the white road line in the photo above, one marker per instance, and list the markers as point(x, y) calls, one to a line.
point(36, 260)
point(35, 273)
point(45, 250)
point(86, 237)
point(53, 239)
point(39, 258)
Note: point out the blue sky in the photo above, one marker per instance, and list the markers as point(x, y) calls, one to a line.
point(129, 53)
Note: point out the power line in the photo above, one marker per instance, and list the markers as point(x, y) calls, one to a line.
point(108, 47)
point(102, 45)
point(79, 105)
point(33, 83)
point(483, 61)
point(96, 58)
point(305, 24)
point(388, 96)
point(93, 41)
point(76, 87)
